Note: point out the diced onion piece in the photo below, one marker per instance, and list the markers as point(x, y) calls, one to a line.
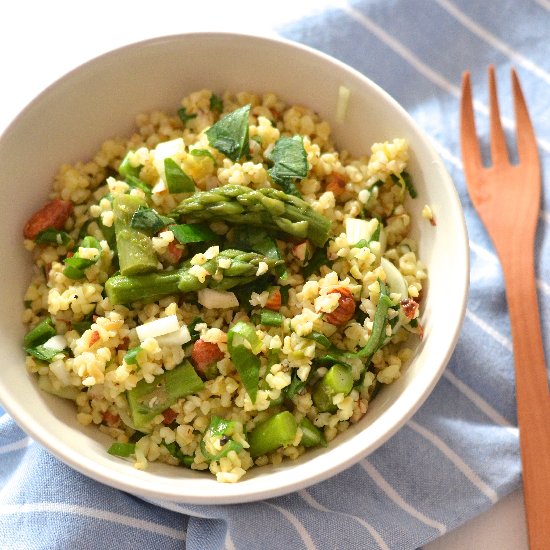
point(342, 104)
point(382, 239)
point(395, 280)
point(66, 392)
point(164, 150)
point(177, 338)
point(359, 230)
point(56, 342)
point(159, 187)
point(158, 327)
point(58, 368)
point(217, 299)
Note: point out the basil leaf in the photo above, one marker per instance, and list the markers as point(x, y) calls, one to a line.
point(216, 103)
point(245, 361)
point(131, 356)
point(44, 354)
point(203, 153)
point(53, 236)
point(261, 242)
point(220, 429)
point(176, 179)
point(184, 116)
point(230, 134)
point(149, 221)
point(193, 233)
point(75, 265)
point(290, 163)
point(135, 183)
point(318, 259)
point(126, 169)
point(175, 450)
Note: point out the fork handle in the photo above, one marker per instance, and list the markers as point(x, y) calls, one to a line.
point(532, 395)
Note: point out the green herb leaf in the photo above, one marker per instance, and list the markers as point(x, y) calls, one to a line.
point(176, 179)
point(131, 356)
point(318, 259)
point(195, 335)
point(135, 183)
point(149, 221)
point(230, 134)
point(290, 163)
point(203, 153)
point(175, 450)
point(404, 179)
point(40, 333)
point(193, 233)
point(126, 168)
point(82, 326)
point(219, 429)
point(184, 116)
point(53, 236)
point(216, 103)
point(42, 353)
point(122, 449)
point(75, 265)
point(244, 359)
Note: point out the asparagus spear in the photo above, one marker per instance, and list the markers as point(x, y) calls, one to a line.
point(269, 208)
point(148, 399)
point(278, 430)
point(338, 379)
point(123, 289)
point(135, 249)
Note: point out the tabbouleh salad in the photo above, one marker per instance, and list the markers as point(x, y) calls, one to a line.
point(223, 288)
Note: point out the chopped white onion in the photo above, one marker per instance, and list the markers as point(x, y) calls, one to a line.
point(158, 327)
point(159, 187)
point(394, 278)
point(342, 104)
point(164, 150)
point(359, 230)
point(177, 338)
point(217, 299)
point(56, 342)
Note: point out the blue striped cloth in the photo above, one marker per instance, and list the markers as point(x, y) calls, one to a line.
point(459, 454)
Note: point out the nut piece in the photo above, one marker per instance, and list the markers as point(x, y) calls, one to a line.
point(274, 300)
point(336, 183)
point(345, 310)
point(204, 355)
point(53, 214)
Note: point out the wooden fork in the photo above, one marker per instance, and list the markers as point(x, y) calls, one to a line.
point(507, 198)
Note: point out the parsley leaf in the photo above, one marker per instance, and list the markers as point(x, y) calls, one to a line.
point(149, 221)
point(290, 163)
point(75, 265)
point(53, 236)
point(185, 116)
point(230, 134)
point(203, 153)
point(216, 103)
point(193, 233)
point(176, 179)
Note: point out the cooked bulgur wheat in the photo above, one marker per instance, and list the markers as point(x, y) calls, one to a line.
point(338, 300)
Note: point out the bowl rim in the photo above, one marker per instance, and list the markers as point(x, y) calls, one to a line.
point(241, 492)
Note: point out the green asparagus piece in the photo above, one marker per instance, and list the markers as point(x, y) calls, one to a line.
point(148, 399)
point(135, 249)
point(127, 289)
point(278, 430)
point(312, 436)
point(338, 379)
point(268, 208)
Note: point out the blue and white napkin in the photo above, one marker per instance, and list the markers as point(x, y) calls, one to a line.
point(459, 454)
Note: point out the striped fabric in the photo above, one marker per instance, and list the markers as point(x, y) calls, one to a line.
point(459, 454)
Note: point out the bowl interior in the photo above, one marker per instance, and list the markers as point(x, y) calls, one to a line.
point(70, 120)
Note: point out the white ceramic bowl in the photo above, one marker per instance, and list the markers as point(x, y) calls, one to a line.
point(68, 122)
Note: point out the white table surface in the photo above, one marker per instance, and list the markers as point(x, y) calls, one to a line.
point(41, 41)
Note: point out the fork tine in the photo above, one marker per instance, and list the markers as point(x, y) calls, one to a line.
point(499, 152)
point(525, 135)
point(469, 144)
